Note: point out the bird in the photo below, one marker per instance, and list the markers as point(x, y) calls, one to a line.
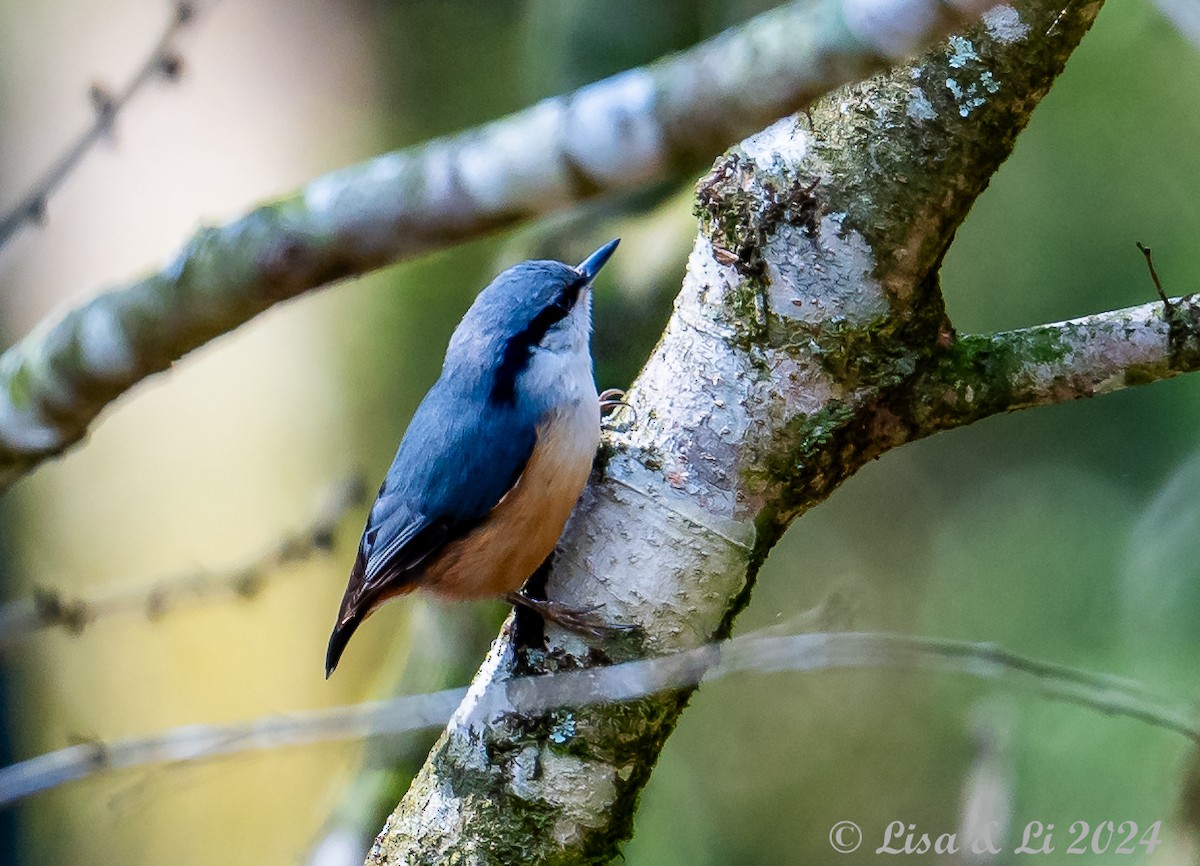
point(495, 457)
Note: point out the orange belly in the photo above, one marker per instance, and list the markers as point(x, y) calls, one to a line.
point(498, 556)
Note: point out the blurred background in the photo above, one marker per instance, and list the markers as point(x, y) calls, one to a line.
point(1071, 533)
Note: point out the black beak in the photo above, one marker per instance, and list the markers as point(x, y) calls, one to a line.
point(591, 266)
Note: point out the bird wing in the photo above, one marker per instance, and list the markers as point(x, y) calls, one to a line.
point(451, 470)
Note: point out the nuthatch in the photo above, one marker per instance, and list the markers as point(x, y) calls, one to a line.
point(496, 455)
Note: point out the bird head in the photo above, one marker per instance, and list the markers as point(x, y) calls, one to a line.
point(533, 309)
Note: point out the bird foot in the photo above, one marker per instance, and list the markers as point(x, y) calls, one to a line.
point(613, 398)
point(574, 619)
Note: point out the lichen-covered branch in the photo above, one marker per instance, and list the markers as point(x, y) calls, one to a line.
point(808, 315)
point(978, 376)
point(620, 133)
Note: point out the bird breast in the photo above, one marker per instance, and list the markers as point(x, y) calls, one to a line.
point(500, 554)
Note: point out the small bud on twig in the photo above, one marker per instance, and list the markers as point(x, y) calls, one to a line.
point(170, 65)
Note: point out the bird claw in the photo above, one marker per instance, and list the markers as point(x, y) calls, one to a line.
point(574, 619)
point(614, 398)
point(611, 398)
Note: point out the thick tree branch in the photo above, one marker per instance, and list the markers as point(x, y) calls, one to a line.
point(621, 133)
point(809, 310)
point(568, 691)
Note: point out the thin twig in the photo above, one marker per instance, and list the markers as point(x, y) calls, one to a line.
point(50, 608)
point(162, 63)
point(1154, 276)
point(759, 652)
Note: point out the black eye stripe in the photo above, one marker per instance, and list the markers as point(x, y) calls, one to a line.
point(517, 350)
point(570, 292)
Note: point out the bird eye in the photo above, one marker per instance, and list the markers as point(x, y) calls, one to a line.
point(518, 349)
point(570, 292)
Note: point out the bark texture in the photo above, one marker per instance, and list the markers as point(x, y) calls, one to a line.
point(804, 336)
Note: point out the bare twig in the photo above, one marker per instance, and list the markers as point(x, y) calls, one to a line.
point(622, 133)
point(162, 63)
point(1158, 287)
point(50, 608)
point(760, 652)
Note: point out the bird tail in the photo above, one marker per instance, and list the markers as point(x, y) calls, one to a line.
point(338, 640)
point(352, 611)
point(359, 601)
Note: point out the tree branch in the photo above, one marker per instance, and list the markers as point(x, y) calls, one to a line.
point(810, 308)
point(50, 608)
point(980, 376)
point(569, 691)
point(621, 133)
point(162, 63)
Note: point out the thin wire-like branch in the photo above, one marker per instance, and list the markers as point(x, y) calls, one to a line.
point(621, 133)
point(1147, 253)
point(51, 608)
point(761, 652)
point(162, 63)
point(980, 376)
